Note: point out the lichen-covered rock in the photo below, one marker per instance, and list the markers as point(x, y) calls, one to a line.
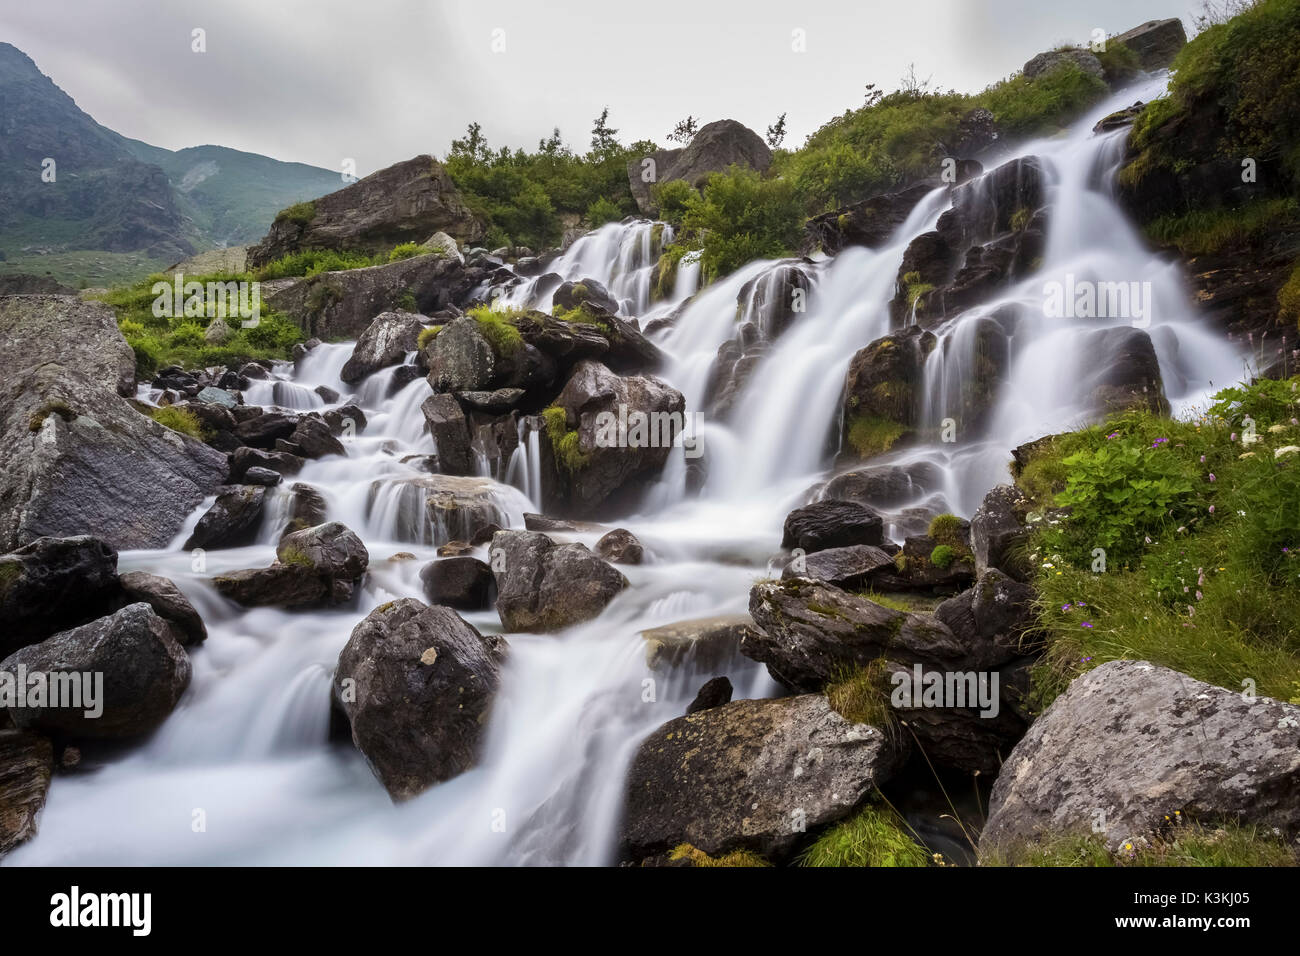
point(752, 774)
point(385, 342)
point(544, 586)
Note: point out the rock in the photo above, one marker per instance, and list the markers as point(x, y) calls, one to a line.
point(704, 642)
point(332, 550)
point(713, 149)
point(1122, 371)
point(217, 332)
point(620, 546)
point(53, 584)
point(570, 295)
point(26, 763)
point(714, 693)
point(144, 670)
point(1155, 42)
point(462, 359)
point(167, 602)
point(216, 396)
point(885, 486)
point(435, 509)
point(405, 202)
point(450, 430)
point(496, 402)
point(736, 776)
point(245, 459)
point(870, 222)
point(995, 619)
point(261, 431)
point(233, 520)
point(1129, 743)
point(280, 585)
point(263, 477)
point(346, 420)
point(444, 245)
point(882, 392)
point(915, 569)
point(999, 534)
point(849, 567)
point(343, 304)
point(1084, 60)
point(542, 586)
point(1119, 119)
point(313, 438)
point(831, 524)
point(79, 458)
point(810, 634)
point(307, 507)
point(385, 342)
point(462, 582)
point(416, 684)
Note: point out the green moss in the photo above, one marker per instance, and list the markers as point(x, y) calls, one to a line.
point(427, 336)
point(874, 836)
point(565, 443)
point(178, 419)
point(1200, 232)
point(293, 555)
point(697, 857)
point(913, 289)
point(498, 330)
point(1020, 219)
point(10, 571)
point(947, 529)
point(870, 435)
point(53, 407)
point(406, 250)
point(943, 556)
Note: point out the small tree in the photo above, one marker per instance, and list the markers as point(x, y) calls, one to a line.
point(684, 130)
point(473, 147)
point(603, 138)
point(776, 132)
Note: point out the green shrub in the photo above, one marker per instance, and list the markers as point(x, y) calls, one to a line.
point(300, 213)
point(943, 556)
point(497, 329)
point(602, 211)
point(874, 836)
point(672, 199)
point(178, 419)
point(742, 217)
point(313, 262)
point(406, 250)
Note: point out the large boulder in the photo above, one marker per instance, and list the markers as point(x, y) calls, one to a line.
point(26, 763)
point(995, 619)
point(810, 634)
point(405, 202)
point(332, 549)
point(850, 567)
point(544, 586)
point(713, 149)
point(1083, 60)
point(385, 342)
point(280, 585)
point(831, 524)
point(754, 775)
point(450, 430)
point(53, 584)
point(167, 602)
point(144, 672)
point(706, 643)
point(605, 463)
point(882, 391)
point(999, 533)
point(1130, 743)
point(416, 683)
point(233, 520)
point(1155, 42)
point(870, 222)
point(462, 582)
point(79, 458)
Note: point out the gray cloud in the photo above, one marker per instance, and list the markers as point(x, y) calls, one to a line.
point(382, 80)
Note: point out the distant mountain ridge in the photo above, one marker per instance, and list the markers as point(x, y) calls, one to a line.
point(114, 195)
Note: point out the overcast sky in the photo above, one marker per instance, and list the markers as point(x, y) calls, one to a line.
point(379, 81)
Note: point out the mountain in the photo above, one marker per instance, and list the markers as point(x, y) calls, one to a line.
point(117, 207)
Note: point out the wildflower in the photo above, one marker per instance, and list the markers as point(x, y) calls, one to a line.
point(1211, 509)
point(1200, 596)
point(1112, 435)
point(1079, 604)
point(1087, 624)
point(1158, 442)
point(1066, 607)
point(1212, 478)
point(1084, 660)
point(1147, 539)
point(1232, 437)
point(1202, 459)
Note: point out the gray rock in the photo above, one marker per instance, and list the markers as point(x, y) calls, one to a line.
point(262, 477)
point(26, 763)
point(216, 396)
point(280, 585)
point(850, 567)
point(435, 509)
point(999, 534)
point(79, 458)
point(461, 582)
point(706, 642)
point(168, 602)
point(831, 524)
point(416, 684)
point(810, 634)
point(995, 619)
point(714, 693)
point(462, 359)
point(331, 549)
point(542, 586)
point(1155, 42)
point(245, 459)
point(234, 518)
point(753, 774)
point(620, 546)
point(1084, 60)
point(144, 670)
point(53, 584)
point(450, 431)
point(1129, 743)
point(385, 342)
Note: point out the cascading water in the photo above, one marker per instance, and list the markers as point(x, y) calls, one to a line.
point(248, 746)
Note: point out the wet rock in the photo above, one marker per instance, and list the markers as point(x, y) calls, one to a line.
point(831, 524)
point(167, 602)
point(620, 546)
point(542, 586)
point(1123, 371)
point(263, 430)
point(331, 549)
point(435, 509)
point(314, 439)
point(280, 585)
point(416, 684)
point(1128, 743)
point(233, 520)
point(53, 584)
point(306, 507)
point(850, 567)
point(733, 777)
point(999, 534)
point(263, 477)
point(346, 420)
point(714, 693)
point(450, 430)
point(810, 634)
point(884, 486)
point(385, 342)
point(461, 582)
point(26, 763)
point(870, 222)
point(144, 670)
point(461, 358)
point(704, 642)
point(882, 392)
point(995, 619)
point(570, 295)
point(919, 567)
point(244, 459)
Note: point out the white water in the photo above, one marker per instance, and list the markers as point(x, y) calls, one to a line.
point(247, 745)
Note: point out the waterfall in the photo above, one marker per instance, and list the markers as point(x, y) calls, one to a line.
point(248, 743)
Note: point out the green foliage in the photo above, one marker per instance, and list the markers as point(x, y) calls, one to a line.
point(178, 419)
point(874, 836)
point(427, 336)
point(672, 199)
point(862, 696)
point(943, 556)
point(869, 435)
point(1178, 844)
point(697, 857)
point(741, 217)
point(497, 329)
point(1119, 63)
point(313, 262)
point(601, 211)
point(300, 212)
point(1202, 231)
point(1023, 107)
point(406, 250)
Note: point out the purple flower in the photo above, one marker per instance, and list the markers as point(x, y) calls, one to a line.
point(1086, 624)
point(1202, 459)
point(1158, 442)
point(1112, 435)
point(1066, 607)
point(1211, 509)
point(1212, 478)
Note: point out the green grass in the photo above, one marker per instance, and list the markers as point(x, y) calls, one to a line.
point(427, 336)
point(1207, 582)
point(406, 250)
point(869, 435)
point(498, 329)
point(698, 857)
point(565, 443)
point(947, 529)
point(300, 212)
point(1181, 844)
point(178, 419)
point(1207, 231)
point(862, 696)
point(874, 836)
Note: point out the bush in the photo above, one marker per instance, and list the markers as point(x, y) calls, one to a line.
point(742, 217)
point(178, 419)
point(672, 198)
point(602, 211)
point(496, 328)
point(312, 262)
point(406, 250)
point(943, 556)
point(300, 213)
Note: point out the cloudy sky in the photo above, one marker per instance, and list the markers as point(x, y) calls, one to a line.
point(378, 81)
